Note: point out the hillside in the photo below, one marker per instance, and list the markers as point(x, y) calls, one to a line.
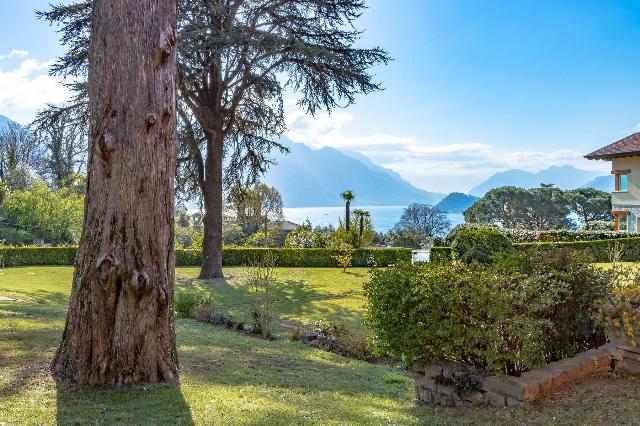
point(308, 177)
point(4, 121)
point(456, 202)
point(564, 177)
point(603, 183)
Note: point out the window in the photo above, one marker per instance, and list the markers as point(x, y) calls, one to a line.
point(621, 219)
point(623, 222)
point(622, 180)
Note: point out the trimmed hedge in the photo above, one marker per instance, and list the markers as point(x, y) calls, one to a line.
point(35, 256)
point(599, 249)
point(286, 257)
point(299, 257)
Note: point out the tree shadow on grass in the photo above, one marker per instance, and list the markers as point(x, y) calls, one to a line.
point(287, 383)
point(159, 404)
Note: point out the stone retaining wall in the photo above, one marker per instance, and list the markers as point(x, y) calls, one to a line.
point(452, 385)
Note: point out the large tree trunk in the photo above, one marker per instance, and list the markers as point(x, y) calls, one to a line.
point(212, 195)
point(120, 324)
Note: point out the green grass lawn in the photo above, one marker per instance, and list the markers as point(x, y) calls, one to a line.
point(301, 294)
point(229, 378)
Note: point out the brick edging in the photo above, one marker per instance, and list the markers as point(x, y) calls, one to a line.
point(503, 391)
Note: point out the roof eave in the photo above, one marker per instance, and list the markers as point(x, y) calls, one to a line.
point(594, 156)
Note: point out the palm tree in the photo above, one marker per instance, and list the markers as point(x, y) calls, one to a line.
point(360, 215)
point(347, 196)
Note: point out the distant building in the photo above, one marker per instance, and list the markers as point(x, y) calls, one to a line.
point(625, 165)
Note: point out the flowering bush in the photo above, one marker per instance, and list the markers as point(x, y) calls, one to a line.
point(619, 309)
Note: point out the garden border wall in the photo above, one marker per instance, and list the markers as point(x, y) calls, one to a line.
point(434, 383)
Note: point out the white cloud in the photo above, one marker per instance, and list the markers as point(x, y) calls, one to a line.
point(433, 166)
point(15, 53)
point(28, 87)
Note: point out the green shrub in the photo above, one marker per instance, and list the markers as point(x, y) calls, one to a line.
point(440, 254)
point(344, 256)
point(509, 316)
point(184, 304)
point(479, 244)
point(336, 338)
point(13, 236)
point(190, 305)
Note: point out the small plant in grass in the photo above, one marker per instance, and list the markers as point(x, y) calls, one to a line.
point(260, 276)
point(220, 317)
point(336, 338)
point(344, 257)
point(203, 308)
point(184, 304)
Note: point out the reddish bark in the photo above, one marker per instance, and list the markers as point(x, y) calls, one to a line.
point(120, 324)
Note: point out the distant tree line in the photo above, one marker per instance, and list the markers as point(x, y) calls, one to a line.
point(41, 184)
point(539, 209)
point(236, 59)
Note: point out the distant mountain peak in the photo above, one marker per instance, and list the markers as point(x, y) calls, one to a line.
point(456, 202)
point(308, 177)
point(563, 176)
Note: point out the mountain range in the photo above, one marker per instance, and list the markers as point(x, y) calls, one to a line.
point(563, 177)
point(4, 121)
point(309, 177)
point(603, 183)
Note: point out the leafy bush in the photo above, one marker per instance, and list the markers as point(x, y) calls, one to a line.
point(13, 236)
point(186, 237)
point(440, 254)
point(220, 317)
point(336, 338)
point(598, 225)
point(451, 235)
point(578, 286)
point(619, 310)
point(505, 317)
point(184, 304)
point(54, 216)
point(305, 237)
point(203, 309)
point(344, 256)
point(479, 244)
point(190, 305)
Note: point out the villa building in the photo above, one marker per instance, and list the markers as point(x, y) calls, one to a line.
point(625, 165)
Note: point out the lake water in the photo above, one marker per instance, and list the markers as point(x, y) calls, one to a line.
point(383, 217)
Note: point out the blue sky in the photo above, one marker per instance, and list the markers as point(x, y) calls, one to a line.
point(476, 87)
